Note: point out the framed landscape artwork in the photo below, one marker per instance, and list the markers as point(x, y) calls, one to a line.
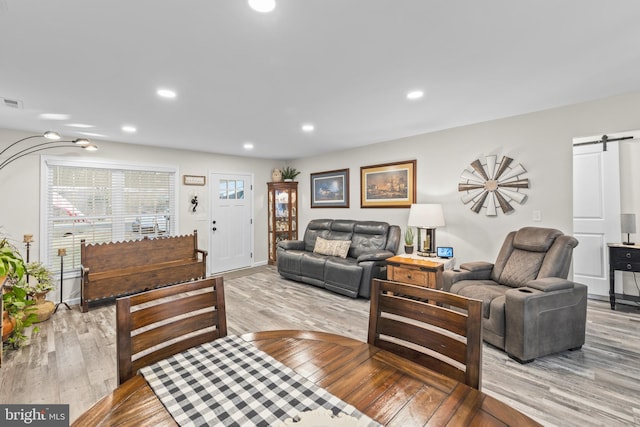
point(390, 185)
point(330, 189)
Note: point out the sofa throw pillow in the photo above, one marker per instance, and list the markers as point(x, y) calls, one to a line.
point(332, 247)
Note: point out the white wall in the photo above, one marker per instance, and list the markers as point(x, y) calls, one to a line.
point(19, 181)
point(540, 141)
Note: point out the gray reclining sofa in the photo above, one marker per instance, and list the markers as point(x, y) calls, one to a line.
point(370, 244)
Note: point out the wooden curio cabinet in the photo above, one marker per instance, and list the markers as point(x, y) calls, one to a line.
point(283, 214)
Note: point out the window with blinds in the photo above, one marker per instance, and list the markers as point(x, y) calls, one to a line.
point(104, 203)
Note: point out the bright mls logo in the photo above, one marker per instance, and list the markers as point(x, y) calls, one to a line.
point(34, 415)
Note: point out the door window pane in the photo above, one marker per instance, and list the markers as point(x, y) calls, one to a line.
point(240, 189)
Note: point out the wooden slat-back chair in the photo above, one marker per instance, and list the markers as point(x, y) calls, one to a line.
point(191, 313)
point(415, 322)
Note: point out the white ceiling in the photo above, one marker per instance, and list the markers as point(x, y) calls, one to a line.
point(343, 65)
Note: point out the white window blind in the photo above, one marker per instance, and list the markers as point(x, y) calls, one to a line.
point(104, 203)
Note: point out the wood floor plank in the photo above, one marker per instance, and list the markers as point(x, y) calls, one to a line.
point(72, 360)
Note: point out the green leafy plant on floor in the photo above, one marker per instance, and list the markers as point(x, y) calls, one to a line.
point(19, 308)
point(14, 298)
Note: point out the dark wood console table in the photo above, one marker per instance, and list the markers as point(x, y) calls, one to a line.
point(622, 258)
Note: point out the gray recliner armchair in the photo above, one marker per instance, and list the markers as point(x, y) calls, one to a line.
point(530, 309)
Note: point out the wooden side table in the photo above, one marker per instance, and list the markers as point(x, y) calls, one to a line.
point(417, 270)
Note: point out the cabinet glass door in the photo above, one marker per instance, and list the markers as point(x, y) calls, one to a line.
point(283, 211)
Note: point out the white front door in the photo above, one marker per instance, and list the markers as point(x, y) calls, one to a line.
point(596, 212)
point(231, 222)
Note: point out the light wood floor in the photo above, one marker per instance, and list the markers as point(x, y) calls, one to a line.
point(72, 359)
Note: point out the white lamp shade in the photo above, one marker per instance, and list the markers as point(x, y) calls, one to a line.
point(426, 216)
point(628, 223)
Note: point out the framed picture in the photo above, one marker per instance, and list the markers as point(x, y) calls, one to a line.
point(330, 189)
point(193, 180)
point(390, 185)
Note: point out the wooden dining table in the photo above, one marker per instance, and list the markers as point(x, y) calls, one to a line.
point(388, 388)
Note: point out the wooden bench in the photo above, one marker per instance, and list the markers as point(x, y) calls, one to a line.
point(122, 268)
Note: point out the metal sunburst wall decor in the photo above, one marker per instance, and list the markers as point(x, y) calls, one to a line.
point(493, 184)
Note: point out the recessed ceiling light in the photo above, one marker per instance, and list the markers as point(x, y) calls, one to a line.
point(54, 116)
point(129, 129)
point(308, 127)
point(415, 94)
point(79, 125)
point(262, 6)
point(248, 145)
point(166, 93)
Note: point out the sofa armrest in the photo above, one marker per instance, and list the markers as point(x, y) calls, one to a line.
point(295, 245)
point(478, 270)
point(545, 321)
point(375, 256)
point(549, 284)
point(477, 267)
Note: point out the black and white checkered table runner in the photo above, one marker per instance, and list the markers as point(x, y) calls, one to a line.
point(231, 382)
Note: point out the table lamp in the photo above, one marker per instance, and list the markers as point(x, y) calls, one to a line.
point(628, 226)
point(427, 217)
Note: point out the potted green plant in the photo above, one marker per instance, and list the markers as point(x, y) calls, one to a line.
point(37, 283)
point(289, 173)
point(11, 263)
point(17, 308)
point(20, 309)
point(408, 240)
point(43, 278)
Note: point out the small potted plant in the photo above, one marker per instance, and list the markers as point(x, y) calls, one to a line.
point(289, 174)
point(43, 281)
point(408, 240)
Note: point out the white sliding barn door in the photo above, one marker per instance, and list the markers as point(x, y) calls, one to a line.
point(596, 212)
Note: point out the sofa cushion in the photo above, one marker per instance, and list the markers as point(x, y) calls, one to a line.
point(289, 261)
point(535, 239)
point(343, 276)
point(368, 236)
point(522, 267)
point(338, 248)
point(312, 265)
point(341, 229)
point(493, 327)
point(315, 228)
point(484, 292)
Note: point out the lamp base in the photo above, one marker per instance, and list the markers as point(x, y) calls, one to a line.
point(426, 254)
point(629, 242)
